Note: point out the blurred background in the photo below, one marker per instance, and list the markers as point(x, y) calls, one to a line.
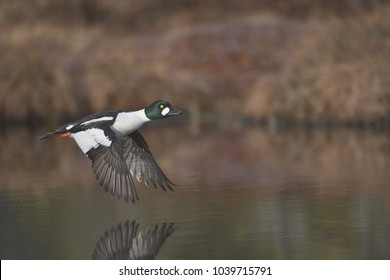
point(301, 60)
point(283, 151)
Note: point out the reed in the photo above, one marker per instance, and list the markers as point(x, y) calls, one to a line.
point(336, 72)
point(297, 60)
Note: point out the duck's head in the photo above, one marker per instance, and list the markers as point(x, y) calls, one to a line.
point(161, 109)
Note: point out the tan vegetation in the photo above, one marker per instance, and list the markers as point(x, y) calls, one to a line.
point(301, 60)
point(337, 71)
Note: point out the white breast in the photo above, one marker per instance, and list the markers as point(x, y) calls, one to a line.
point(128, 122)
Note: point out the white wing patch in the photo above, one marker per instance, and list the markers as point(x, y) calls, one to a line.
point(69, 126)
point(98, 120)
point(91, 138)
point(165, 111)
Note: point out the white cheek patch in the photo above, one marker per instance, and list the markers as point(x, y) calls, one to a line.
point(165, 111)
point(91, 138)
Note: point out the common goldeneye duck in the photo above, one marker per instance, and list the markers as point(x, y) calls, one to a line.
point(112, 142)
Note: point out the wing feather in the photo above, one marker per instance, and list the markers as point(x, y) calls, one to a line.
point(141, 162)
point(125, 242)
point(111, 171)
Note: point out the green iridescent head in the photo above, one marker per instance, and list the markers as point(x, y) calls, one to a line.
point(161, 109)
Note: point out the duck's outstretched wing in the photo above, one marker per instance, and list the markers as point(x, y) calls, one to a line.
point(116, 242)
point(141, 162)
point(148, 243)
point(125, 242)
point(111, 171)
point(115, 160)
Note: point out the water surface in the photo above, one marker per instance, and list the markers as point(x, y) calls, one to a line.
point(243, 193)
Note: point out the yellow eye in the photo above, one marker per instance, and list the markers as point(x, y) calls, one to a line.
point(162, 106)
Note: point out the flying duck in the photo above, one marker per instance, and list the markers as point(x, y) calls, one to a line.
point(112, 142)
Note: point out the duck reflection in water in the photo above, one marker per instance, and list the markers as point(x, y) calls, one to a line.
point(124, 242)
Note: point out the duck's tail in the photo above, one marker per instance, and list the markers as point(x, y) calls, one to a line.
point(55, 133)
point(46, 135)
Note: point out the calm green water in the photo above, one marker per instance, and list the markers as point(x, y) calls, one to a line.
point(243, 193)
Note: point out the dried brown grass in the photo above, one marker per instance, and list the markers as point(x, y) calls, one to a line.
point(337, 72)
point(38, 75)
point(63, 59)
point(61, 73)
